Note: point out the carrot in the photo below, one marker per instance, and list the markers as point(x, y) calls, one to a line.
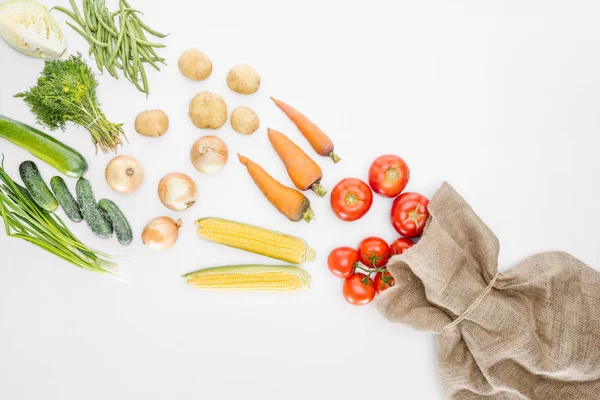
point(305, 173)
point(315, 136)
point(290, 202)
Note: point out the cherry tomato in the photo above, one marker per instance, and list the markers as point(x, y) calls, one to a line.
point(399, 246)
point(341, 261)
point(383, 281)
point(373, 252)
point(351, 199)
point(359, 289)
point(409, 214)
point(388, 175)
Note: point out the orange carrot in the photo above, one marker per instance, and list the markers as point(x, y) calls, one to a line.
point(290, 202)
point(315, 136)
point(305, 173)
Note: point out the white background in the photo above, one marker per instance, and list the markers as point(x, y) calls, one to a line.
point(500, 98)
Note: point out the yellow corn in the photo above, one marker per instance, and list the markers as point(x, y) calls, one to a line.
point(266, 278)
point(256, 240)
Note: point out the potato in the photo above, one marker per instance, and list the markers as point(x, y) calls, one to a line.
point(244, 121)
point(152, 123)
point(195, 65)
point(243, 79)
point(208, 111)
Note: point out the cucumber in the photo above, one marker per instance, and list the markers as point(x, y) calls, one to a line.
point(117, 220)
point(37, 188)
point(92, 214)
point(65, 199)
point(45, 147)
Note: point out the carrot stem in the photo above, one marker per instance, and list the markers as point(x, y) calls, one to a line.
point(318, 189)
point(336, 159)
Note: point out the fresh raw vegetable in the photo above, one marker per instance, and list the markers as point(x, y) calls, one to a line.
point(400, 245)
point(351, 198)
point(177, 191)
point(28, 27)
point(152, 123)
point(388, 175)
point(383, 281)
point(195, 65)
point(244, 120)
point(66, 91)
point(26, 220)
point(65, 199)
point(161, 233)
point(92, 213)
point(118, 221)
point(266, 278)
point(341, 261)
point(244, 79)
point(373, 252)
point(36, 187)
point(255, 240)
point(290, 202)
point(304, 172)
point(124, 174)
point(125, 47)
point(409, 214)
point(359, 289)
point(44, 147)
point(209, 154)
point(208, 111)
point(319, 141)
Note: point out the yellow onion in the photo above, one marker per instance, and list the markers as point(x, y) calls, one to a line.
point(161, 233)
point(177, 191)
point(209, 154)
point(124, 174)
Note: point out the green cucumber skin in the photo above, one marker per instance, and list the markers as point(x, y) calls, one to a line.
point(92, 214)
point(65, 199)
point(37, 188)
point(45, 147)
point(118, 221)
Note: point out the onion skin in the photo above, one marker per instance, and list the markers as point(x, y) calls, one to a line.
point(209, 154)
point(177, 191)
point(161, 233)
point(124, 174)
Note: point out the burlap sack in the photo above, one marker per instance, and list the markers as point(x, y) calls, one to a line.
point(532, 332)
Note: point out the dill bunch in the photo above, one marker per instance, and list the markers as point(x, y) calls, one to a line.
point(66, 91)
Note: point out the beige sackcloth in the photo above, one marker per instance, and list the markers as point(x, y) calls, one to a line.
point(532, 332)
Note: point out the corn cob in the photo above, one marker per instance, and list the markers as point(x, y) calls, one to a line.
point(266, 278)
point(256, 240)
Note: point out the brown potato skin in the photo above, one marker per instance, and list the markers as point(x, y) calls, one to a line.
point(244, 79)
point(195, 65)
point(152, 123)
point(244, 120)
point(208, 111)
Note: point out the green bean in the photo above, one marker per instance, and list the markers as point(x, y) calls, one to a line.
point(88, 16)
point(67, 12)
point(89, 38)
point(146, 57)
point(76, 12)
point(144, 79)
point(150, 30)
point(105, 26)
point(134, 51)
point(128, 9)
point(119, 38)
point(149, 44)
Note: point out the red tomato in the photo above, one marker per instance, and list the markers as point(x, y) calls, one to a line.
point(409, 214)
point(351, 199)
point(399, 246)
point(388, 175)
point(359, 289)
point(373, 252)
point(383, 281)
point(341, 261)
